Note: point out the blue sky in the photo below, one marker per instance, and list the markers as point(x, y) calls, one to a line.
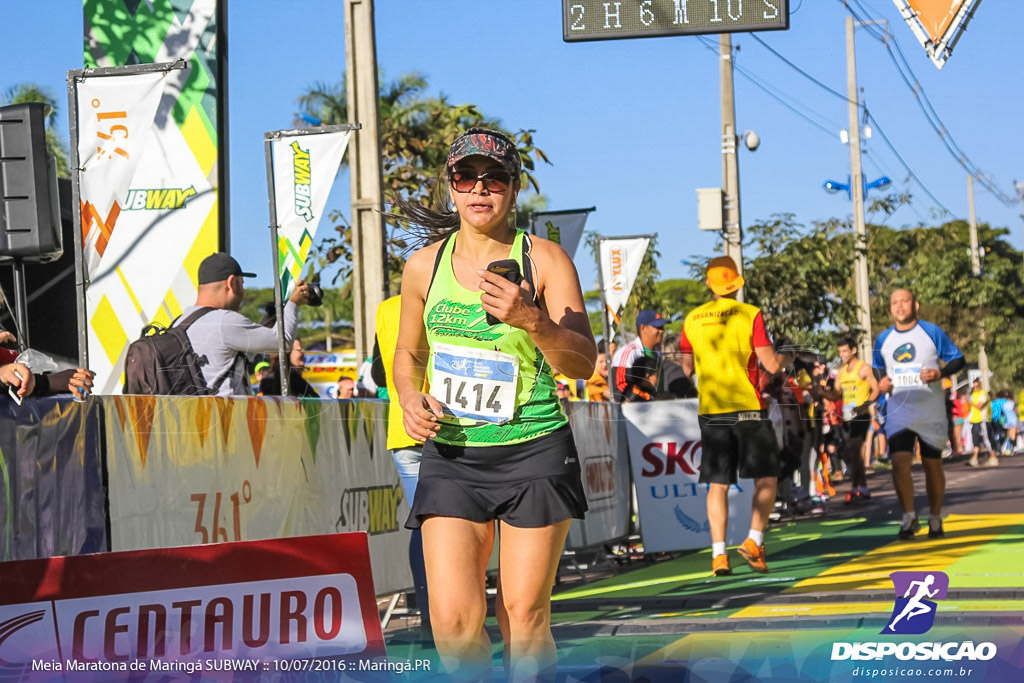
point(632, 126)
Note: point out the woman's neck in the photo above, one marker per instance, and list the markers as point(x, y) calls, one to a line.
point(480, 245)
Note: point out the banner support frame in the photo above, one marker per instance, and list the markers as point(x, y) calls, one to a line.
point(268, 145)
point(81, 284)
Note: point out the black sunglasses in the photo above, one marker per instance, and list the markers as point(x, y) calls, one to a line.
point(494, 181)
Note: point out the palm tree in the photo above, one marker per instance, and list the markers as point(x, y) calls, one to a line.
point(33, 92)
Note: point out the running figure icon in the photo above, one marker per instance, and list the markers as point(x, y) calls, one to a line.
point(915, 606)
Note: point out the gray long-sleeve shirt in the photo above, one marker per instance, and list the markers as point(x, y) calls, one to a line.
point(222, 338)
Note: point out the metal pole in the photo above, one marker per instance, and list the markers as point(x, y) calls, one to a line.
point(976, 269)
point(20, 304)
point(604, 324)
point(732, 234)
point(282, 354)
point(76, 216)
point(369, 281)
point(860, 270)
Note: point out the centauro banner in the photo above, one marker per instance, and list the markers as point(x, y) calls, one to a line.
point(150, 219)
point(620, 263)
point(304, 170)
point(561, 227)
point(171, 613)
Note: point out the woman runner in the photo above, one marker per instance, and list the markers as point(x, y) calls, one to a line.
point(498, 453)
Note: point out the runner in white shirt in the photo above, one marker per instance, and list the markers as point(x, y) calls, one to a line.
point(906, 361)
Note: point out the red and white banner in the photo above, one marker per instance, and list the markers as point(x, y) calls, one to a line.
point(665, 453)
point(240, 608)
point(620, 264)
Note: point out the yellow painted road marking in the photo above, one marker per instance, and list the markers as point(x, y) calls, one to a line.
point(870, 571)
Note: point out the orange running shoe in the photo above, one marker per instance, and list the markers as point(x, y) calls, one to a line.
point(754, 555)
point(720, 566)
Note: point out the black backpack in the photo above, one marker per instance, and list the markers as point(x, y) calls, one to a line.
point(162, 362)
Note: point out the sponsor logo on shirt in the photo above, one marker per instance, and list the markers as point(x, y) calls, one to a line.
point(905, 353)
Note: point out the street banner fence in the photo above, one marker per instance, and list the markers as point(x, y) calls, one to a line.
point(665, 452)
point(225, 612)
point(183, 471)
point(51, 479)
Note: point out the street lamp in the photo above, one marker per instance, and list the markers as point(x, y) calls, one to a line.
point(834, 186)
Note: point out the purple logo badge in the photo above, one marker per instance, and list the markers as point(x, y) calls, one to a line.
point(914, 611)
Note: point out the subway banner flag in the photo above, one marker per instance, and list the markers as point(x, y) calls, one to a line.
point(150, 199)
point(305, 166)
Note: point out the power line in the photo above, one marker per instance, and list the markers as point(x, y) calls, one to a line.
point(777, 96)
point(931, 115)
point(799, 70)
point(888, 142)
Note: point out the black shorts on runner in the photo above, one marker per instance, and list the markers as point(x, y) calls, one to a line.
point(857, 428)
point(741, 443)
point(903, 442)
point(531, 484)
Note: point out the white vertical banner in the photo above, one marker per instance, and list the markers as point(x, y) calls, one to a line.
point(145, 202)
point(115, 119)
point(665, 452)
point(620, 264)
point(561, 227)
point(305, 166)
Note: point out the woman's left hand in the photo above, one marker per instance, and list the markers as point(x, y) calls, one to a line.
point(509, 303)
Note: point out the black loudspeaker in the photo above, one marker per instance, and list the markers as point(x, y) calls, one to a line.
point(52, 297)
point(29, 209)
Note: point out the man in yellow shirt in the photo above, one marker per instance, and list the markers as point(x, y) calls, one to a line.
point(723, 341)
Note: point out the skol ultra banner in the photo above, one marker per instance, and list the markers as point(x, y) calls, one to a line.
point(561, 227)
point(620, 263)
point(151, 213)
point(304, 170)
point(665, 452)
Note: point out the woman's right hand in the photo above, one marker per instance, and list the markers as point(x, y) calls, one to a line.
point(420, 413)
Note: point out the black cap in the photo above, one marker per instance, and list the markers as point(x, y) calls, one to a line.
point(218, 267)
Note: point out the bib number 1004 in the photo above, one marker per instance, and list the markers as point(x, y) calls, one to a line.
point(464, 391)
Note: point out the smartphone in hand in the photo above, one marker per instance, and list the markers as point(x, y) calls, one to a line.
point(508, 269)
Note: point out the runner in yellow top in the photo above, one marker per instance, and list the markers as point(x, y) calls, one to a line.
point(859, 390)
point(980, 417)
point(406, 452)
point(723, 340)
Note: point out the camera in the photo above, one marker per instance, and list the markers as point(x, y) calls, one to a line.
point(316, 294)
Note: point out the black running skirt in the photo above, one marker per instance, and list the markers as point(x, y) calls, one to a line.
point(532, 484)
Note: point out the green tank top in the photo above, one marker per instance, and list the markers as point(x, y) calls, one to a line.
point(453, 315)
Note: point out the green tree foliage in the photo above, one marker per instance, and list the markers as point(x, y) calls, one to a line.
point(801, 277)
point(416, 132)
point(31, 92)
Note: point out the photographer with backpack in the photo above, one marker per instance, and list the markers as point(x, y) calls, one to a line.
point(210, 358)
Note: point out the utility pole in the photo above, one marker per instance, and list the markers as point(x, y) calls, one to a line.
point(860, 266)
point(369, 283)
point(976, 269)
point(732, 234)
